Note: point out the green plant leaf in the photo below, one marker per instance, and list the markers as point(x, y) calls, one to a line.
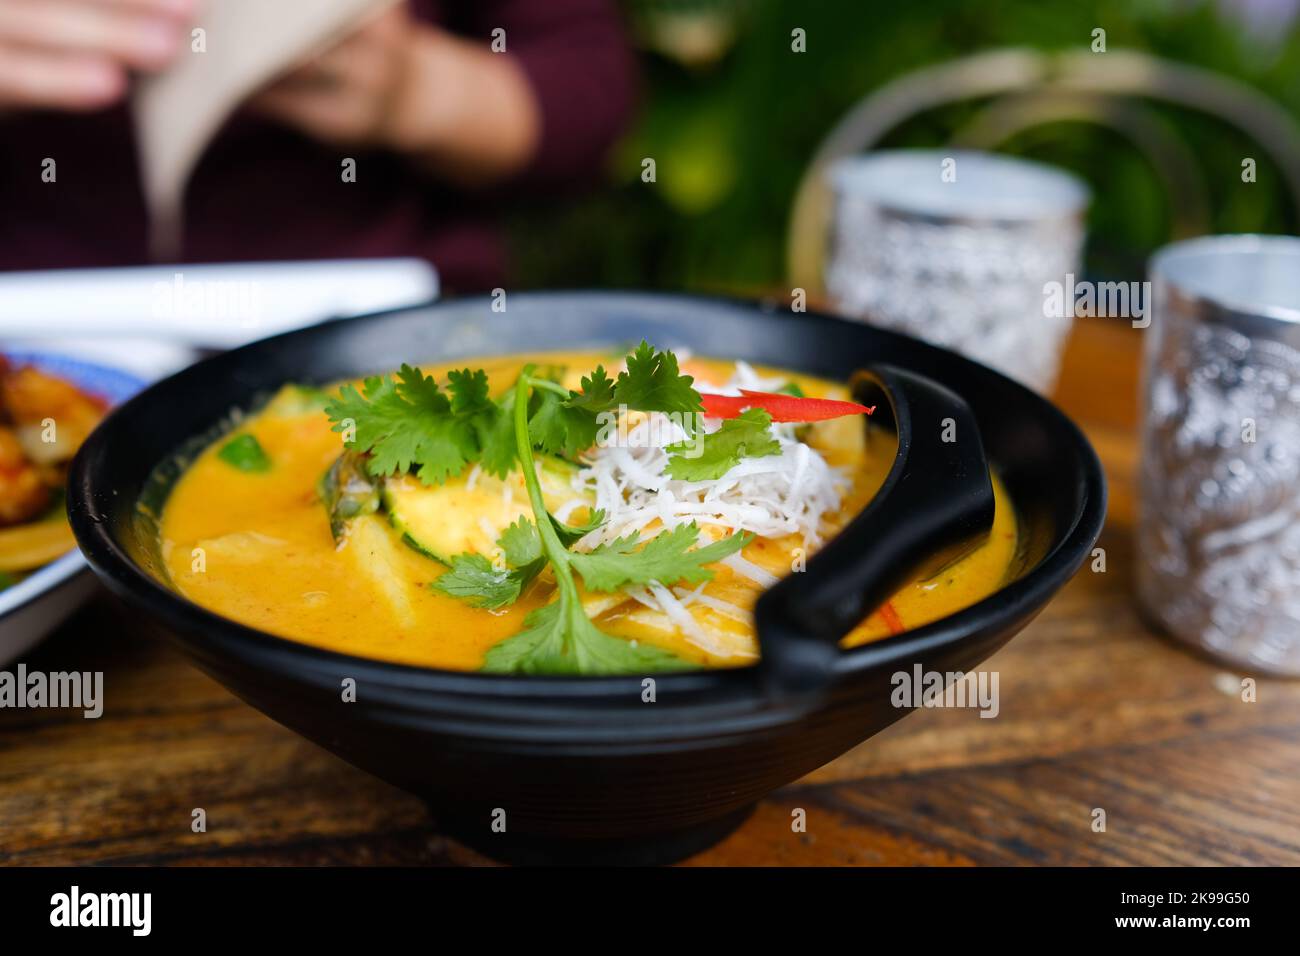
point(749, 435)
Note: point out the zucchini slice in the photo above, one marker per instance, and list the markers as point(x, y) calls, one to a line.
point(294, 400)
point(460, 517)
point(347, 492)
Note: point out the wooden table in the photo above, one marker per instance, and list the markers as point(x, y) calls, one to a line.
point(1096, 712)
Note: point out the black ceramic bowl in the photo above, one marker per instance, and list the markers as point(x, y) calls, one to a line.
point(582, 768)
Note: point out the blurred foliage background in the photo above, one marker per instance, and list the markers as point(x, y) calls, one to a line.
point(732, 117)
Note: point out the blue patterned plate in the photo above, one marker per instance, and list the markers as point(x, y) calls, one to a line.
point(39, 602)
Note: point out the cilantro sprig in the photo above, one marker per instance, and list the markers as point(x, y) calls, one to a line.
point(559, 637)
point(411, 424)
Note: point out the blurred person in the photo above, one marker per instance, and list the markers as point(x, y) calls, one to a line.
point(444, 131)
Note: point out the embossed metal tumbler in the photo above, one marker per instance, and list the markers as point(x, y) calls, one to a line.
point(958, 248)
point(1219, 524)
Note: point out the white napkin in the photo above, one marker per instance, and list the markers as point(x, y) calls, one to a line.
point(177, 112)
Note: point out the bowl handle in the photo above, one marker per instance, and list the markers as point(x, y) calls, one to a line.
point(935, 504)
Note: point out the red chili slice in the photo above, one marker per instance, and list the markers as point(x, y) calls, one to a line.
point(782, 408)
point(892, 620)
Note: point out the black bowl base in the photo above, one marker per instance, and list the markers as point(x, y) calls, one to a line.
point(525, 849)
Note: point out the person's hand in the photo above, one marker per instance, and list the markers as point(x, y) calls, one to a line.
point(349, 95)
point(77, 54)
point(446, 102)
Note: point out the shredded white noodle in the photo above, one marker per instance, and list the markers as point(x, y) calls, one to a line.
point(777, 495)
point(786, 493)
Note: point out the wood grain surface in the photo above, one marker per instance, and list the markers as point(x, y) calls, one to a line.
point(1097, 711)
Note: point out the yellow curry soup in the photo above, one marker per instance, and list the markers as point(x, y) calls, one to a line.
point(255, 544)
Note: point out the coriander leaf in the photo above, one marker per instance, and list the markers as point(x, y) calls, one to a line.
point(472, 579)
point(558, 428)
point(748, 435)
point(410, 422)
point(469, 391)
point(791, 388)
point(245, 453)
point(556, 639)
point(652, 382)
point(420, 390)
point(665, 558)
point(597, 393)
point(520, 543)
point(568, 425)
point(568, 534)
point(496, 438)
point(540, 643)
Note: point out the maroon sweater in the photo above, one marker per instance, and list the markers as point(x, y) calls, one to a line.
point(263, 191)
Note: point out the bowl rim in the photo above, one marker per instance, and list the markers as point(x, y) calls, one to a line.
point(223, 636)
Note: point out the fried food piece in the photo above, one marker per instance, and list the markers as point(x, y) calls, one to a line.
point(23, 492)
point(41, 406)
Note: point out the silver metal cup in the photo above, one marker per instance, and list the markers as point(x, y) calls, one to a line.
point(957, 247)
point(1219, 522)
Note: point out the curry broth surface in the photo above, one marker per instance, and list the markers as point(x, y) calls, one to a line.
point(256, 547)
